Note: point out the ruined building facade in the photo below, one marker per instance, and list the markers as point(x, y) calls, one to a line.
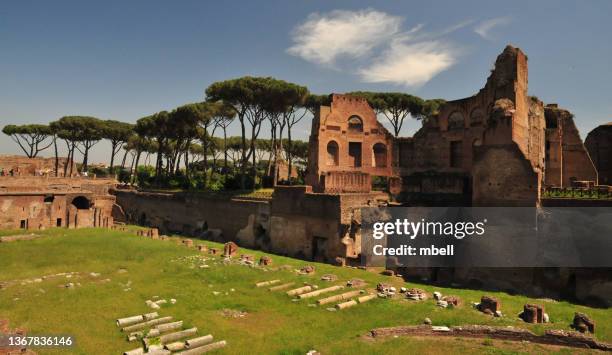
point(32, 203)
point(496, 148)
point(347, 147)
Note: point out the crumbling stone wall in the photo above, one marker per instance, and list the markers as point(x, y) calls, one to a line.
point(296, 222)
point(599, 145)
point(468, 135)
point(567, 159)
point(44, 202)
point(24, 166)
point(347, 139)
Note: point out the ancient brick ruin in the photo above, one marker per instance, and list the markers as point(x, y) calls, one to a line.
point(499, 147)
point(599, 145)
point(347, 146)
point(33, 203)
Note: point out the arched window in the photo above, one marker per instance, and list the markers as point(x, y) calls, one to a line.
point(379, 155)
point(456, 121)
point(81, 203)
point(355, 124)
point(332, 153)
point(477, 117)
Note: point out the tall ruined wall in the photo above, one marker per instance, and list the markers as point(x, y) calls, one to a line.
point(599, 145)
point(42, 202)
point(316, 226)
point(567, 159)
point(346, 137)
point(502, 118)
point(245, 222)
point(296, 222)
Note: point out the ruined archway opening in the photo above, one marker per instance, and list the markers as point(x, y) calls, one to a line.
point(332, 153)
point(81, 203)
point(49, 199)
point(456, 121)
point(355, 124)
point(379, 155)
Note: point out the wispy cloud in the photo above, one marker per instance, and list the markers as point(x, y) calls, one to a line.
point(484, 28)
point(410, 64)
point(323, 38)
point(386, 53)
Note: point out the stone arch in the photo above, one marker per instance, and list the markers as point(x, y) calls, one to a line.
point(81, 203)
point(379, 155)
point(355, 124)
point(332, 153)
point(456, 120)
point(477, 117)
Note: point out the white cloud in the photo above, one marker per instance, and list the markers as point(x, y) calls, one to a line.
point(323, 38)
point(484, 28)
point(410, 64)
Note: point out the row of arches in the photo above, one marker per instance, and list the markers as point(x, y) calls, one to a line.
point(379, 154)
point(456, 119)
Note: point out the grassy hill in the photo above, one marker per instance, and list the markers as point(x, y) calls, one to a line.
point(116, 272)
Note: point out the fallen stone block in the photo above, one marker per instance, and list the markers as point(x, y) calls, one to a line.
point(205, 348)
point(416, 294)
point(176, 346)
point(489, 305)
point(345, 305)
point(340, 297)
point(365, 298)
point(319, 292)
point(136, 319)
point(188, 243)
point(308, 269)
point(166, 327)
point(583, 323)
point(532, 313)
point(202, 248)
point(299, 290)
point(199, 341)
point(167, 338)
point(230, 249)
point(265, 261)
point(143, 325)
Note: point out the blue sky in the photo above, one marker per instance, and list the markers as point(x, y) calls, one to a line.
point(127, 59)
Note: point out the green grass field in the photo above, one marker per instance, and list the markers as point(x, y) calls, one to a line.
point(134, 269)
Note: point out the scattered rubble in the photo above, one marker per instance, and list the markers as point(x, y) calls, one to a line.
point(533, 313)
point(416, 294)
point(329, 277)
point(308, 269)
point(583, 323)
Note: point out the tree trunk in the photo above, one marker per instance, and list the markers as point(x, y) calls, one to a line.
point(244, 155)
point(56, 157)
point(135, 170)
point(123, 160)
point(289, 154)
point(112, 160)
point(225, 148)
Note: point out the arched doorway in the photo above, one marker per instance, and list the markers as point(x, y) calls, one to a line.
point(332, 153)
point(81, 203)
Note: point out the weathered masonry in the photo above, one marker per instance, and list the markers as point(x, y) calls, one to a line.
point(28, 202)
